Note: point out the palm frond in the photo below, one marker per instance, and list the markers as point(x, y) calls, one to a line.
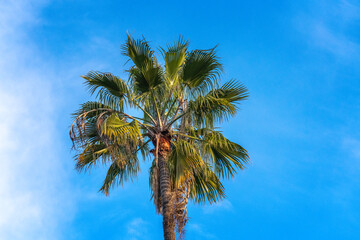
point(205, 186)
point(92, 154)
point(146, 78)
point(120, 171)
point(218, 105)
point(174, 57)
point(109, 89)
point(139, 51)
point(146, 73)
point(119, 130)
point(91, 109)
point(84, 128)
point(184, 158)
point(224, 155)
point(201, 70)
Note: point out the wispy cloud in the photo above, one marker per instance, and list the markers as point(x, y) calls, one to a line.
point(348, 10)
point(224, 205)
point(34, 199)
point(352, 145)
point(324, 37)
point(137, 229)
point(326, 25)
point(200, 231)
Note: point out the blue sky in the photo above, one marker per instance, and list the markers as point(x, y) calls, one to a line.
point(299, 59)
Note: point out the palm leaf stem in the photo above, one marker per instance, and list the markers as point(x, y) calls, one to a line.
point(157, 109)
point(175, 119)
point(148, 114)
point(169, 109)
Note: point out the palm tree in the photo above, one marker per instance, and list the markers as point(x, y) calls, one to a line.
point(177, 107)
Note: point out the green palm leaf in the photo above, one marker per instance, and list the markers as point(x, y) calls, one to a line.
point(205, 186)
point(225, 156)
point(146, 74)
point(146, 78)
point(201, 70)
point(119, 172)
point(218, 105)
point(175, 57)
point(120, 131)
point(109, 89)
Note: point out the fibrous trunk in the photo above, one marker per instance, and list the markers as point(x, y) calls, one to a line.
point(165, 190)
point(182, 197)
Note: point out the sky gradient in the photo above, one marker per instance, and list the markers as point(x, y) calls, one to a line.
point(299, 59)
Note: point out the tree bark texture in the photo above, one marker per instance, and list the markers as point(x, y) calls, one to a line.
point(166, 191)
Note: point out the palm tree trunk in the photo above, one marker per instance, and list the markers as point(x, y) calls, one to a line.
point(166, 196)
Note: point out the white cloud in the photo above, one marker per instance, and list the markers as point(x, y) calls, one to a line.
point(137, 229)
point(34, 200)
point(336, 43)
point(326, 25)
point(199, 230)
point(348, 10)
point(352, 145)
point(224, 205)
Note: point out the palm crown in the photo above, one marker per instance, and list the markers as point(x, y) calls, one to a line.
point(179, 104)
